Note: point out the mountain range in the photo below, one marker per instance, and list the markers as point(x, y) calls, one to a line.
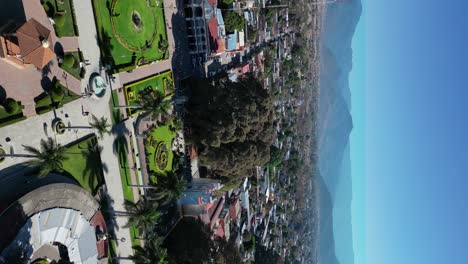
point(335, 125)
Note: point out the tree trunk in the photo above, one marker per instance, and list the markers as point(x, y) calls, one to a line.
point(17, 156)
point(141, 186)
point(77, 127)
point(127, 106)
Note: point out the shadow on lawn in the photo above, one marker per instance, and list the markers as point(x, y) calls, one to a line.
point(94, 166)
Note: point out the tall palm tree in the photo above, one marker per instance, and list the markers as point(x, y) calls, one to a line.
point(153, 104)
point(169, 187)
point(49, 157)
point(152, 253)
point(142, 214)
point(100, 125)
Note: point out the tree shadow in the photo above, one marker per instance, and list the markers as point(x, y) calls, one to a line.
point(181, 60)
point(58, 49)
point(2, 94)
point(107, 209)
point(106, 48)
point(121, 148)
point(46, 83)
point(94, 167)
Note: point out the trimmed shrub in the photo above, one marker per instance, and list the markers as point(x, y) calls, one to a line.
point(69, 60)
point(59, 20)
point(11, 105)
point(57, 93)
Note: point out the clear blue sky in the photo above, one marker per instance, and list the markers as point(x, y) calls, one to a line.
point(357, 82)
point(415, 124)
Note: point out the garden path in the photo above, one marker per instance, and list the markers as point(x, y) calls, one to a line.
point(88, 43)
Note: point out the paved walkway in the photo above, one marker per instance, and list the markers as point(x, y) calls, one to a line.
point(89, 47)
point(144, 71)
point(69, 43)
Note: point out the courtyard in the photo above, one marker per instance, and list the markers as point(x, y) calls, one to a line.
point(131, 33)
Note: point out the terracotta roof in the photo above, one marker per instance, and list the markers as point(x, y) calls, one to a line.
point(35, 43)
point(217, 45)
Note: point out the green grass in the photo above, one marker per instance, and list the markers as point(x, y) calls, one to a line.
point(75, 70)
point(164, 134)
point(135, 234)
point(162, 82)
point(122, 45)
point(69, 28)
point(45, 104)
point(10, 118)
point(84, 164)
point(122, 150)
point(115, 113)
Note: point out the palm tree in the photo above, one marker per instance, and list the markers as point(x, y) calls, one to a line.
point(100, 125)
point(142, 214)
point(152, 253)
point(49, 157)
point(153, 104)
point(169, 188)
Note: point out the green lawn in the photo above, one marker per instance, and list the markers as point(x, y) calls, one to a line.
point(158, 135)
point(162, 82)
point(75, 70)
point(10, 118)
point(124, 43)
point(115, 113)
point(122, 148)
point(45, 104)
point(54, 8)
point(84, 164)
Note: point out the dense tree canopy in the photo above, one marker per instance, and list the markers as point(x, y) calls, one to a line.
point(232, 124)
point(233, 21)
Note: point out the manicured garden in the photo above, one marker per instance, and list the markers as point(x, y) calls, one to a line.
point(131, 33)
point(11, 111)
point(58, 96)
point(84, 164)
point(61, 11)
point(162, 82)
point(158, 147)
point(71, 64)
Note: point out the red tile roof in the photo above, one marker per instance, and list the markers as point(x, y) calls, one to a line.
point(234, 208)
point(99, 224)
point(35, 43)
point(217, 45)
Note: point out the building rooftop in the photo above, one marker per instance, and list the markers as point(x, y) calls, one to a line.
point(35, 43)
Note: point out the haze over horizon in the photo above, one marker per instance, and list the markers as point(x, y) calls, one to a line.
point(336, 124)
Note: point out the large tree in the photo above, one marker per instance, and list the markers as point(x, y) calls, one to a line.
point(233, 21)
point(232, 124)
point(190, 242)
point(144, 214)
point(48, 157)
point(153, 104)
point(151, 253)
point(169, 188)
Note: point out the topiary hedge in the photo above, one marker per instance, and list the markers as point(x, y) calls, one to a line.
point(69, 60)
point(57, 94)
point(11, 105)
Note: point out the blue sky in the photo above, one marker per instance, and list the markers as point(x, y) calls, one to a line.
point(410, 136)
point(357, 82)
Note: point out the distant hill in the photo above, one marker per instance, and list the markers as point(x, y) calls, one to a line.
point(335, 125)
point(326, 238)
